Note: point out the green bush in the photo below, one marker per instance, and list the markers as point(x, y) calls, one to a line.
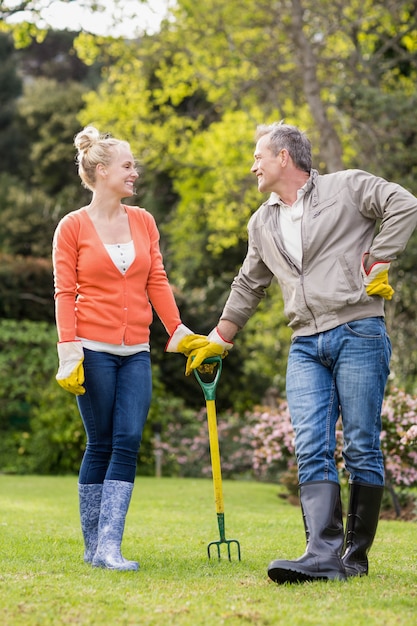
point(56, 440)
point(26, 291)
point(27, 361)
point(40, 426)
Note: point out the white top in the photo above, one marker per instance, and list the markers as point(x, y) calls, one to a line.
point(122, 255)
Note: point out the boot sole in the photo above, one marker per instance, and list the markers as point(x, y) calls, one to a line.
point(282, 576)
point(117, 569)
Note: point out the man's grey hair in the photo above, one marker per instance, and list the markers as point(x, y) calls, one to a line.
point(292, 139)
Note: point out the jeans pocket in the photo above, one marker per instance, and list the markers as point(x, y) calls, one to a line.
point(369, 327)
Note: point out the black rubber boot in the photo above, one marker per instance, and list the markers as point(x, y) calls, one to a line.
point(322, 514)
point(361, 524)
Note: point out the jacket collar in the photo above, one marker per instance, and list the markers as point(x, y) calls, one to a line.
point(312, 187)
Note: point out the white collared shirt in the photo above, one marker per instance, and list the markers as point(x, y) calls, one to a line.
point(290, 224)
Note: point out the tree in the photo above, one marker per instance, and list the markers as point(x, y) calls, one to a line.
point(12, 141)
point(38, 179)
point(49, 116)
point(54, 58)
point(29, 212)
point(25, 18)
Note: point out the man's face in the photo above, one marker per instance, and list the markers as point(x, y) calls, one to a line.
point(266, 167)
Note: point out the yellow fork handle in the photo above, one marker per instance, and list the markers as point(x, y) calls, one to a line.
point(215, 455)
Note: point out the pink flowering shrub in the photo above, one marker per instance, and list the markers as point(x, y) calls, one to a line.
point(410, 437)
point(261, 443)
point(272, 439)
point(186, 451)
point(398, 438)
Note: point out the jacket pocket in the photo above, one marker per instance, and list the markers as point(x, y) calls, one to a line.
point(325, 206)
point(353, 277)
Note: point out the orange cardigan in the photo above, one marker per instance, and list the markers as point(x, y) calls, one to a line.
point(93, 299)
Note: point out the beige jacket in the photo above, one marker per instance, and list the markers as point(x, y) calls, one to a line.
point(346, 214)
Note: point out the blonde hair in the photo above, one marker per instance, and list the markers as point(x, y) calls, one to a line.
point(94, 148)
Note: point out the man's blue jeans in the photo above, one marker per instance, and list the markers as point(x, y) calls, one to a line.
point(342, 371)
point(114, 409)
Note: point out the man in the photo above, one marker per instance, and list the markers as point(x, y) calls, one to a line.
point(317, 235)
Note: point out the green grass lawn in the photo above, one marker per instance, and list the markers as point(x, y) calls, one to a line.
point(44, 581)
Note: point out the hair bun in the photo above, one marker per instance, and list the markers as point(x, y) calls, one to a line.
point(86, 138)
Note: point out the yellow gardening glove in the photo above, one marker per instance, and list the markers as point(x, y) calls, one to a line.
point(197, 357)
point(375, 278)
point(71, 370)
point(191, 343)
point(216, 346)
point(184, 340)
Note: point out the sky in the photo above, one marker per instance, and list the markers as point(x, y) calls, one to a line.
point(133, 17)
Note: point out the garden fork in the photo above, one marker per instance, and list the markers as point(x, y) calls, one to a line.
point(209, 390)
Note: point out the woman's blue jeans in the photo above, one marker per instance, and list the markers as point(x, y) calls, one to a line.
point(340, 372)
point(114, 409)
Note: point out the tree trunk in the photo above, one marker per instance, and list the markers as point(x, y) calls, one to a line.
point(330, 146)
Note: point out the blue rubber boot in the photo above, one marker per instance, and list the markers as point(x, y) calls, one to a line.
point(90, 503)
point(115, 502)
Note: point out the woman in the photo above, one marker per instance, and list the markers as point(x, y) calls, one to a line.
point(109, 273)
